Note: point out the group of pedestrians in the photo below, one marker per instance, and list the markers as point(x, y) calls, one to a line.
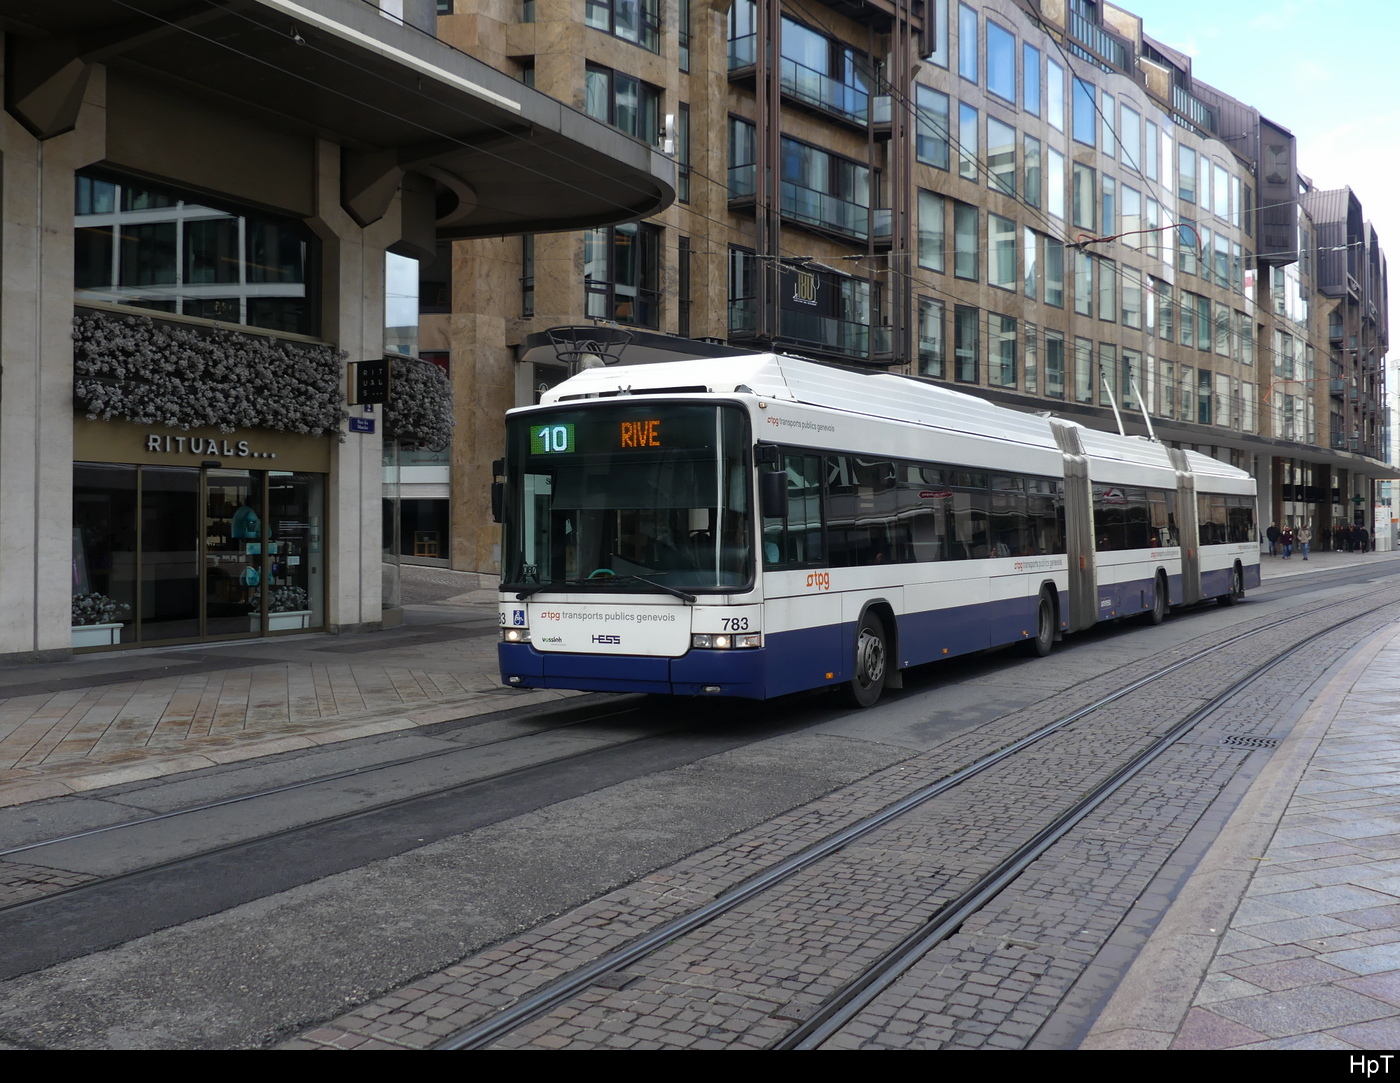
point(1346, 538)
point(1287, 538)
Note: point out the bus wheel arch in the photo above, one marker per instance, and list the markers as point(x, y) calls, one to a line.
point(875, 643)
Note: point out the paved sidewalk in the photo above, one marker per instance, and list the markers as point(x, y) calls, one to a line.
point(118, 716)
point(1286, 935)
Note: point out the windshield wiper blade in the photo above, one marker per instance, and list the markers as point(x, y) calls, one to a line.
point(689, 599)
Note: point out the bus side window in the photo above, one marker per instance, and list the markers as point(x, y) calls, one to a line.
point(797, 539)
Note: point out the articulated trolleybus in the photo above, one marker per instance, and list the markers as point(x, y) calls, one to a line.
point(759, 525)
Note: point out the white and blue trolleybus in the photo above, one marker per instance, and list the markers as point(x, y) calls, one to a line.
point(759, 525)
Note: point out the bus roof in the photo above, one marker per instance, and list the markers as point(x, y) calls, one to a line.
point(872, 394)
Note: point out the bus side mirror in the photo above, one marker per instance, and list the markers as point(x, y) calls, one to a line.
point(498, 489)
point(772, 494)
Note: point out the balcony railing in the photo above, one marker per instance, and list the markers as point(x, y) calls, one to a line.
point(1195, 110)
point(810, 86)
point(825, 211)
point(1098, 40)
point(807, 84)
point(832, 335)
point(743, 315)
point(742, 180)
point(742, 51)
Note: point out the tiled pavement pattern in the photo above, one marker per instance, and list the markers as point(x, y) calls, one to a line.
point(196, 707)
point(1310, 958)
point(19, 882)
point(757, 969)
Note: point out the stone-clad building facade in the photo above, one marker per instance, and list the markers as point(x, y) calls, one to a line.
point(1032, 201)
point(196, 200)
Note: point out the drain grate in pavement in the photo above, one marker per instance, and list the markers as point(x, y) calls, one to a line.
point(1236, 740)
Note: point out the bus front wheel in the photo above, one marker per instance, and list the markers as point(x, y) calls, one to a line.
point(872, 658)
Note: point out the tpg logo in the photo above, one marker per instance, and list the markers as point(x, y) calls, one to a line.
point(820, 580)
point(607, 639)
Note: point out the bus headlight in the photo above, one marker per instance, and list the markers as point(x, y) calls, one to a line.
point(515, 635)
point(724, 641)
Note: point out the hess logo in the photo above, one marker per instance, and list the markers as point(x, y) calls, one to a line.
point(606, 639)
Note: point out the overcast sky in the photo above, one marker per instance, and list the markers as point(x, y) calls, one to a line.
point(1327, 70)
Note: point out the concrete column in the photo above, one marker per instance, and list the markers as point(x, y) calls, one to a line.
point(36, 379)
point(352, 316)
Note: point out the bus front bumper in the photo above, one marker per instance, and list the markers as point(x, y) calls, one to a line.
point(696, 673)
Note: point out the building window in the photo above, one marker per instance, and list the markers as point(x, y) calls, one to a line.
point(742, 158)
point(1030, 79)
point(824, 73)
point(1108, 289)
point(1054, 273)
point(1001, 252)
point(1151, 150)
point(1132, 298)
point(152, 249)
point(1055, 182)
point(967, 343)
point(965, 245)
point(624, 102)
point(1085, 118)
point(1030, 171)
point(1083, 283)
point(1108, 373)
point(967, 42)
point(1030, 350)
point(683, 36)
point(1083, 370)
point(932, 349)
point(931, 137)
point(932, 231)
point(743, 292)
point(1107, 140)
point(683, 153)
point(1083, 196)
point(1001, 157)
point(1055, 94)
point(637, 21)
point(967, 142)
point(1186, 174)
point(1031, 272)
point(825, 190)
point(1001, 62)
point(1001, 357)
point(1055, 364)
point(1109, 219)
point(1132, 138)
point(527, 275)
point(622, 274)
point(683, 301)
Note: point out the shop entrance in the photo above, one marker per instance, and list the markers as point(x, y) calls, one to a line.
point(172, 554)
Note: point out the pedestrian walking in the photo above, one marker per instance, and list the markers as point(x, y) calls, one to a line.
point(1363, 539)
point(1273, 534)
point(1286, 540)
point(1304, 537)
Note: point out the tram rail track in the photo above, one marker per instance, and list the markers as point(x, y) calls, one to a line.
point(854, 995)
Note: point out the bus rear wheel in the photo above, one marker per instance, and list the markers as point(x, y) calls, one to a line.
point(1158, 613)
point(872, 659)
point(1236, 588)
point(1044, 641)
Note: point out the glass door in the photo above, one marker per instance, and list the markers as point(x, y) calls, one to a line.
point(233, 553)
point(169, 553)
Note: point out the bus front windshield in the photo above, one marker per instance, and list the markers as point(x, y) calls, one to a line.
point(630, 495)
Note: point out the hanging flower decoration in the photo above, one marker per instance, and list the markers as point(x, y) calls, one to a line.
point(184, 377)
point(419, 410)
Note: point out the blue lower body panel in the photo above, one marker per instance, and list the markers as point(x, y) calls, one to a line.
point(787, 662)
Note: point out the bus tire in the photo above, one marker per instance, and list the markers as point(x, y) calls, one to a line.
point(872, 662)
point(1236, 588)
point(1158, 613)
point(1044, 641)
